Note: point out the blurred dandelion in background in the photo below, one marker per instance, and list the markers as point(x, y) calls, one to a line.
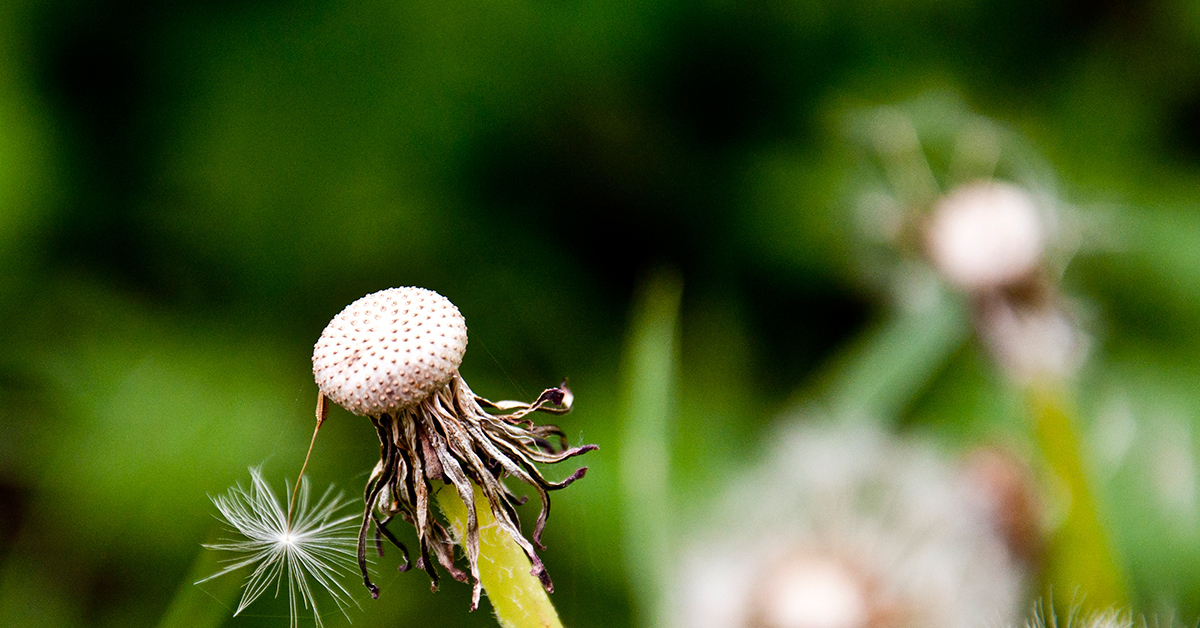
point(845, 526)
point(986, 235)
point(976, 215)
point(959, 195)
point(313, 546)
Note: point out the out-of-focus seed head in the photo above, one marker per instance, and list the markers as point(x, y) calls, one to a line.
point(986, 235)
point(389, 350)
point(808, 590)
point(846, 526)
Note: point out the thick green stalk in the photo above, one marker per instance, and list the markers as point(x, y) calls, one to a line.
point(1082, 565)
point(516, 595)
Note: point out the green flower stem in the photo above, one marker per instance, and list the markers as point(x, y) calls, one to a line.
point(517, 596)
point(1081, 562)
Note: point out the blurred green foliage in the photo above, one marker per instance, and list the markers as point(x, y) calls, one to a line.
point(189, 191)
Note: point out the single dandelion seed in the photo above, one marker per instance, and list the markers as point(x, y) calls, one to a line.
point(313, 546)
point(393, 356)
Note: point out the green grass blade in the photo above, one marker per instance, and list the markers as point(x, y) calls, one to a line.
point(889, 365)
point(649, 384)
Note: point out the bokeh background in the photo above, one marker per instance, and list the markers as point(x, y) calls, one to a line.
point(189, 191)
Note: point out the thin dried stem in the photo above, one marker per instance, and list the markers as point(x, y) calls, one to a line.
point(322, 412)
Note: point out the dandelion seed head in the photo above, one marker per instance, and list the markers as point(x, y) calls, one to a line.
point(315, 548)
point(393, 356)
point(389, 350)
point(848, 527)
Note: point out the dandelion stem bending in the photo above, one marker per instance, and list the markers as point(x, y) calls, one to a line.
point(516, 594)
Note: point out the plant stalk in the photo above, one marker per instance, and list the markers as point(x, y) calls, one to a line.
point(1082, 564)
point(516, 595)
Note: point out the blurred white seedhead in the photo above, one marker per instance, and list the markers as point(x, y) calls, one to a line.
point(986, 221)
point(845, 527)
point(314, 549)
point(986, 235)
point(813, 589)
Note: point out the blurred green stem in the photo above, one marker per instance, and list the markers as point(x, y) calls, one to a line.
point(649, 381)
point(888, 366)
point(516, 595)
point(196, 607)
point(1081, 562)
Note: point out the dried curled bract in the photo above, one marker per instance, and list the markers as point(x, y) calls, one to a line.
point(393, 356)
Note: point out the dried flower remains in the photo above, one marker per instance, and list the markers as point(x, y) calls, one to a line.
point(393, 356)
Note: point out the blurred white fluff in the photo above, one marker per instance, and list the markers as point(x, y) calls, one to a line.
point(846, 527)
point(986, 235)
point(318, 544)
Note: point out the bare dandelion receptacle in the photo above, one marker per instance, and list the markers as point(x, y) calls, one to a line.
point(393, 356)
point(389, 350)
